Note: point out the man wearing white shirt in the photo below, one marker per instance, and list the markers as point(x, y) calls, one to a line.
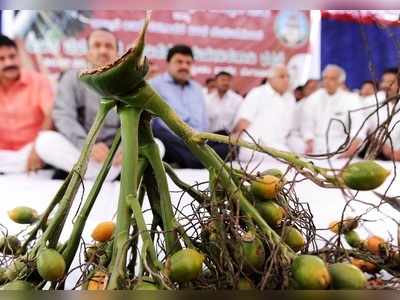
point(296, 141)
point(222, 105)
point(389, 90)
point(209, 86)
point(328, 120)
point(367, 89)
point(267, 114)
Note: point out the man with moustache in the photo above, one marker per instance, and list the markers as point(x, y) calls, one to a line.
point(74, 112)
point(266, 115)
point(26, 100)
point(222, 105)
point(187, 98)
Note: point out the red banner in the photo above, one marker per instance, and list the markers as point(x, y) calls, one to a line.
point(244, 43)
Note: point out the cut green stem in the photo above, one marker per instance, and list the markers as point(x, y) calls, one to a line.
point(54, 229)
point(73, 241)
point(151, 152)
point(128, 190)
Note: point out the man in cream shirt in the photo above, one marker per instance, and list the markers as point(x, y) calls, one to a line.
point(222, 105)
point(328, 120)
point(267, 115)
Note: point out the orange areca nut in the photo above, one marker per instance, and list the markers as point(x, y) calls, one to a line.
point(103, 231)
point(365, 266)
point(375, 244)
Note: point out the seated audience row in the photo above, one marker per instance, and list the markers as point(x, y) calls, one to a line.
point(41, 129)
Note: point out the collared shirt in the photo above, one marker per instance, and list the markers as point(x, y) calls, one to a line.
point(270, 115)
point(75, 110)
point(333, 114)
point(377, 117)
point(188, 101)
point(23, 107)
point(222, 111)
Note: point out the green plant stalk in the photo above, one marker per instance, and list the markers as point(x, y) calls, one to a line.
point(130, 117)
point(237, 175)
point(142, 167)
point(124, 81)
point(167, 215)
point(141, 265)
point(73, 242)
point(144, 233)
point(57, 198)
point(154, 198)
point(153, 195)
point(139, 222)
point(54, 229)
point(121, 236)
point(291, 158)
point(195, 194)
point(129, 131)
point(134, 244)
point(151, 152)
point(136, 207)
point(156, 105)
point(235, 178)
point(245, 206)
point(215, 201)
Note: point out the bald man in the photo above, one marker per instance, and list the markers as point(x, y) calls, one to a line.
point(266, 114)
point(330, 112)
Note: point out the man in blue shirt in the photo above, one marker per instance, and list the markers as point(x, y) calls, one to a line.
point(186, 97)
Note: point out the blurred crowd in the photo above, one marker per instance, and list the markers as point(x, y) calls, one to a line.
point(45, 127)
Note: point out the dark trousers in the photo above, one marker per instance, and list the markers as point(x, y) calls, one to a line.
point(176, 151)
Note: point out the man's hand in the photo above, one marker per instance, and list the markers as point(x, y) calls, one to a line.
point(234, 136)
point(117, 158)
point(353, 148)
point(241, 125)
point(390, 153)
point(34, 162)
point(99, 152)
point(309, 147)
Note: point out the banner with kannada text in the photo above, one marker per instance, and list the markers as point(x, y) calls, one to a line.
point(244, 43)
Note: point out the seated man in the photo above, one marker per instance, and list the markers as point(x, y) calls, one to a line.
point(74, 112)
point(367, 89)
point(222, 105)
point(209, 86)
point(387, 112)
point(186, 97)
point(328, 117)
point(26, 99)
point(267, 115)
point(296, 142)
